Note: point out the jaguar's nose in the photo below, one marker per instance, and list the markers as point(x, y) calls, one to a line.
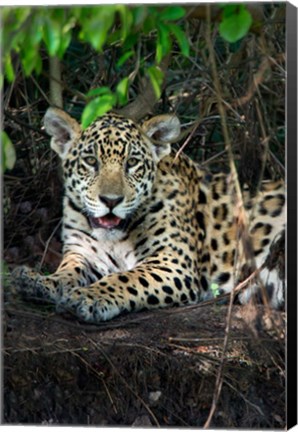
point(111, 202)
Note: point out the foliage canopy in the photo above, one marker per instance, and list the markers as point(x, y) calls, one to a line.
point(27, 30)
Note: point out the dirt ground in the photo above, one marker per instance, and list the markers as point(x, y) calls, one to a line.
point(157, 368)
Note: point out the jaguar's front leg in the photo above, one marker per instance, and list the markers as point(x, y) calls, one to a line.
point(145, 287)
point(71, 273)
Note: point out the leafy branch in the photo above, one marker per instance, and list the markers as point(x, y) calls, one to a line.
point(28, 30)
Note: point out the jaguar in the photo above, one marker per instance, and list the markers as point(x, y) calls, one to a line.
point(146, 227)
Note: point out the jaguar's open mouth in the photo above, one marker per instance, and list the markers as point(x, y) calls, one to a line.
point(108, 221)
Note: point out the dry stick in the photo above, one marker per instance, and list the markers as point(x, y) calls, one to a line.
point(256, 407)
point(55, 82)
point(194, 128)
point(76, 93)
point(44, 95)
point(213, 158)
point(24, 124)
point(278, 162)
point(265, 141)
point(239, 208)
point(200, 341)
point(124, 381)
point(258, 78)
point(219, 377)
point(100, 376)
point(48, 243)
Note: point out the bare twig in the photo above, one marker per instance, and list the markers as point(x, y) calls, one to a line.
point(258, 78)
point(24, 124)
point(239, 208)
point(272, 155)
point(194, 128)
point(99, 375)
point(125, 382)
point(219, 377)
point(48, 242)
point(55, 79)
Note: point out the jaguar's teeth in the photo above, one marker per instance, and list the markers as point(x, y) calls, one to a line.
point(109, 221)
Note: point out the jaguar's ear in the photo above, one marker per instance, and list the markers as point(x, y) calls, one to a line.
point(164, 130)
point(63, 129)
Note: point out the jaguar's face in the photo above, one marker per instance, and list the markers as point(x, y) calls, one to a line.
point(109, 168)
point(114, 167)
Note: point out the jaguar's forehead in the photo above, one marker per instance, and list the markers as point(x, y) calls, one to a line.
point(112, 129)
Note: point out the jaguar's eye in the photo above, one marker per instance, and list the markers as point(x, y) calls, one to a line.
point(91, 160)
point(131, 162)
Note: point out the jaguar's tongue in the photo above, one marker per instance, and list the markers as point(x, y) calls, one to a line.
point(109, 221)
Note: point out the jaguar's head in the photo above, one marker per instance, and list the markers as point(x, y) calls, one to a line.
point(110, 167)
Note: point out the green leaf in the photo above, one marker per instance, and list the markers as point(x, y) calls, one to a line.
point(156, 78)
point(114, 37)
point(172, 13)
point(8, 68)
point(64, 44)
point(96, 24)
point(214, 289)
point(12, 20)
point(98, 92)
point(229, 9)
point(51, 36)
point(30, 59)
point(96, 108)
point(38, 64)
point(77, 12)
point(139, 14)
point(124, 58)
point(29, 46)
point(163, 46)
point(14, 17)
point(159, 52)
point(149, 24)
point(181, 38)
point(97, 38)
point(236, 25)
point(126, 20)
point(35, 30)
point(122, 90)
point(8, 152)
point(130, 41)
point(66, 35)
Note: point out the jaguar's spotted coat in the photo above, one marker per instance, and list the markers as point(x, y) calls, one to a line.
point(144, 229)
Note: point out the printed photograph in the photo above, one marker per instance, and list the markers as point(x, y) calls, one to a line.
point(144, 215)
